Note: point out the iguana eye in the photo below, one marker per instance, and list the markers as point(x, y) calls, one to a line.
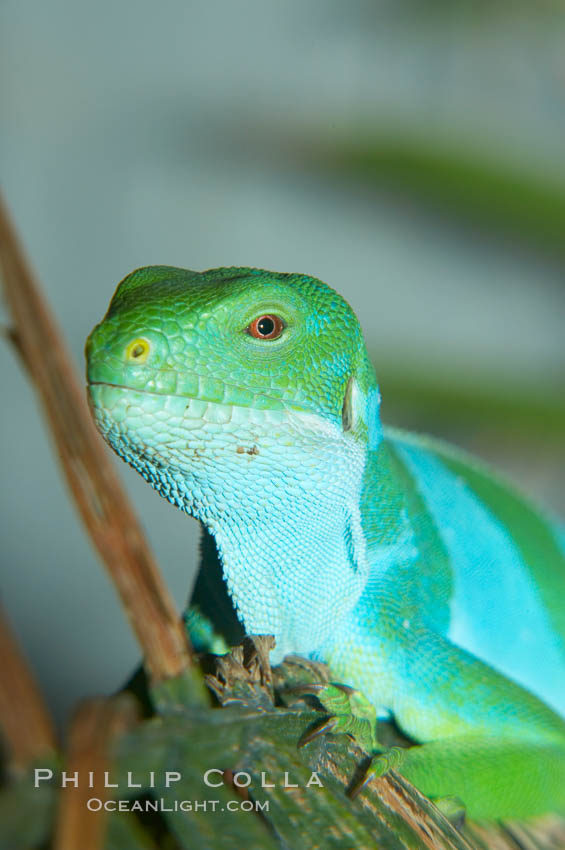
point(268, 326)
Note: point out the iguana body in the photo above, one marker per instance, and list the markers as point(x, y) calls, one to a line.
point(246, 398)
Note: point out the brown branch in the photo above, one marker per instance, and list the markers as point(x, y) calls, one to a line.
point(24, 718)
point(96, 724)
point(97, 491)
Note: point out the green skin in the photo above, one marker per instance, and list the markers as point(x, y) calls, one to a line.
point(420, 578)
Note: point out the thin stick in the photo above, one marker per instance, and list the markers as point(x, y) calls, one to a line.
point(95, 725)
point(97, 491)
point(24, 718)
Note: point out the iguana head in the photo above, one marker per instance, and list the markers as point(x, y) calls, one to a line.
point(246, 398)
point(211, 350)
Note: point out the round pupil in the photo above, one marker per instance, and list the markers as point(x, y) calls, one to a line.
point(265, 326)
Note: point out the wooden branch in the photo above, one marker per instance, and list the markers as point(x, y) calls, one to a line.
point(96, 725)
point(24, 718)
point(102, 503)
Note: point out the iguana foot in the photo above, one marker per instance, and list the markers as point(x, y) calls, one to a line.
point(203, 636)
point(351, 713)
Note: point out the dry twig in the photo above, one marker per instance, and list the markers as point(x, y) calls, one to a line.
point(96, 724)
point(94, 483)
point(24, 718)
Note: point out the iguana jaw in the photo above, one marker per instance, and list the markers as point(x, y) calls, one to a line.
point(207, 443)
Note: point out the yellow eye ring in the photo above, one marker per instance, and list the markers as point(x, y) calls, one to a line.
point(138, 350)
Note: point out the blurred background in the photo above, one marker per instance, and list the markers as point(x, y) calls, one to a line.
point(410, 154)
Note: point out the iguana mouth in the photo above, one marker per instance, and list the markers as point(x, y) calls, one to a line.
point(267, 404)
point(156, 393)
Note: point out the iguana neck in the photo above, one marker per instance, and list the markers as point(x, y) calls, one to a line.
point(290, 538)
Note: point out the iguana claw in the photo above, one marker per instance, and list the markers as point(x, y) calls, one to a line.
point(389, 759)
point(328, 725)
point(349, 713)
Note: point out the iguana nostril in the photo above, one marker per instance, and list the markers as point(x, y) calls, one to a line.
point(138, 350)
